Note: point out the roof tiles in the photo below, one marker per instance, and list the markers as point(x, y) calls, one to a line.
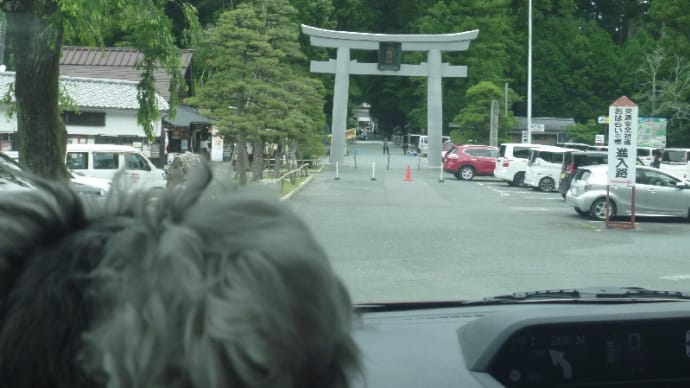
point(114, 63)
point(95, 93)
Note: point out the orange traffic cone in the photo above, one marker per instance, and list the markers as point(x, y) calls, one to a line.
point(408, 174)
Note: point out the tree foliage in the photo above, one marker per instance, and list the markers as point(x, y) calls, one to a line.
point(586, 54)
point(474, 118)
point(37, 30)
point(255, 83)
point(584, 132)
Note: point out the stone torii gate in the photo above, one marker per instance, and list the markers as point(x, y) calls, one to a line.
point(389, 47)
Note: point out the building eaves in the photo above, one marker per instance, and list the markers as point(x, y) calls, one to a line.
point(550, 123)
point(185, 116)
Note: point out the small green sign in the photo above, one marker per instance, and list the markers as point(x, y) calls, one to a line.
point(389, 56)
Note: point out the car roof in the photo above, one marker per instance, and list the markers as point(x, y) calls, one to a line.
point(11, 154)
point(474, 146)
point(101, 147)
point(553, 148)
point(637, 167)
point(588, 152)
point(522, 144)
point(8, 159)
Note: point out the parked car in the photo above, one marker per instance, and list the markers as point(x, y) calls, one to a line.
point(657, 193)
point(574, 159)
point(423, 145)
point(544, 167)
point(511, 162)
point(646, 154)
point(105, 160)
point(468, 161)
point(675, 161)
point(14, 155)
point(580, 159)
point(13, 178)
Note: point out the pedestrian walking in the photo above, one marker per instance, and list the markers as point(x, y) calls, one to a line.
point(656, 163)
point(404, 147)
point(386, 150)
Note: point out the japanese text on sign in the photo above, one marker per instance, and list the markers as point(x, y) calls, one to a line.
point(622, 142)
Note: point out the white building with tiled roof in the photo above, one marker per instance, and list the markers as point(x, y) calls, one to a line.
point(107, 111)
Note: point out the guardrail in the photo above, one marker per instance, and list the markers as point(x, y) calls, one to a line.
point(291, 176)
point(270, 164)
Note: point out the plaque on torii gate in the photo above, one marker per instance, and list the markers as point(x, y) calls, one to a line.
point(387, 44)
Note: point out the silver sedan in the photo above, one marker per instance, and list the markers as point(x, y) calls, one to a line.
point(656, 194)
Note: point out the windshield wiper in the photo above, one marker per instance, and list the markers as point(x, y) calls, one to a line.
point(573, 295)
point(590, 294)
point(404, 306)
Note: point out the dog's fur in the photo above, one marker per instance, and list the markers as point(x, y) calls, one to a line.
point(182, 292)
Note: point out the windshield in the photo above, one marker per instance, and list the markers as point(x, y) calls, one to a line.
point(345, 111)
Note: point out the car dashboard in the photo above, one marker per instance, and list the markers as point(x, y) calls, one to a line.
point(555, 344)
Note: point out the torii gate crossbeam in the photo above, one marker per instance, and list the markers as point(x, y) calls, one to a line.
point(433, 69)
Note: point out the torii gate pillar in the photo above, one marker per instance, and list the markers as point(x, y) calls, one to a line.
point(433, 69)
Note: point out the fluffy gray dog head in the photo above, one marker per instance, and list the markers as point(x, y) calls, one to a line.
point(216, 292)
point(181, 291)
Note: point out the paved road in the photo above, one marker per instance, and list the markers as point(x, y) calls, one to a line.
point(396, 240)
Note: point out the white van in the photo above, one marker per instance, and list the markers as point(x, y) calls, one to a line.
point(646, 154)
point(423, 145)
point(511, 162)
point(105, 160)
point(544, 167)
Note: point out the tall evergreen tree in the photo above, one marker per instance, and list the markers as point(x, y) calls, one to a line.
point(252, 85)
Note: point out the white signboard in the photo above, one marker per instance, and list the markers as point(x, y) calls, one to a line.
point(524, 136)
point(537, 127)
point(598, 139)
point(623, 124)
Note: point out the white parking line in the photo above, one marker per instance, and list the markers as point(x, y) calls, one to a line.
point(531, 208)
point(501, 192)
point(675, 277)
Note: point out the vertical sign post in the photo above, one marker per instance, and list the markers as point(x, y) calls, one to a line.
point(623, 123)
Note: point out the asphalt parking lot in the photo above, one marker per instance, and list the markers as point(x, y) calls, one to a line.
point(393, 239)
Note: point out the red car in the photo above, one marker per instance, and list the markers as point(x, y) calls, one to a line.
point(467, 161)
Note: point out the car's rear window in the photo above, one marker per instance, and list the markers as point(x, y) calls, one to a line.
point(521, 152)
point(582, 174)
point(548, 156)
point(674, 156)
point(643, 152)
point(590, 160)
